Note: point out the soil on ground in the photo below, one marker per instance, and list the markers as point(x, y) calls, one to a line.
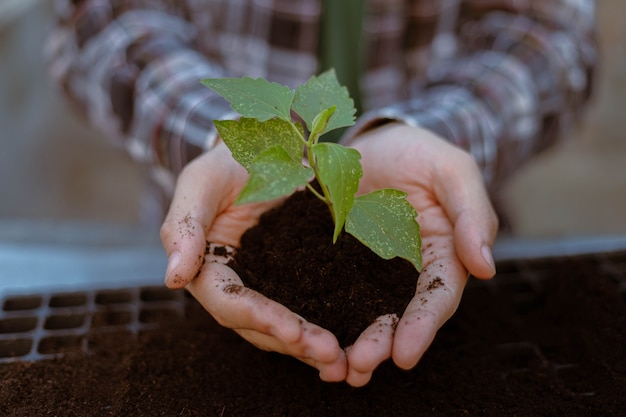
point(544, 338)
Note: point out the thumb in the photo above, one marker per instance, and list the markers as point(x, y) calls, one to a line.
point(467, 204)
point(183, 233)
point(474, 237)
point(183, 239)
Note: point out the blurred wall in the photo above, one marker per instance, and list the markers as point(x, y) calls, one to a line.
point(579, 187)
point(52, 166)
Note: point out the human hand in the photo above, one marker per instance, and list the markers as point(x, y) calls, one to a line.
point(203, 210)
point(458, 227)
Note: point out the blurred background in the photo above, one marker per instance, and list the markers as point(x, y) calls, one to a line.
point(54, 169)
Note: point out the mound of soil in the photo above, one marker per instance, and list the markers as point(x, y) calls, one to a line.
point(544, 338)
point(343, 287)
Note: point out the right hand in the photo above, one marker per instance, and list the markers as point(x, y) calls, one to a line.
point(203, 210)
point(458, 227)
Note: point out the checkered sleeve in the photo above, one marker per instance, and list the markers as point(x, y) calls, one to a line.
point(518, 76)
point(131, 67)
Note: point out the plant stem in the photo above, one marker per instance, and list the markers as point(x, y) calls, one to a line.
point(326, 194)
point(309, 143)
point(299, 133)
point(315, 193)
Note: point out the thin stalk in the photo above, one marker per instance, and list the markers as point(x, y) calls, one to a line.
point(315, 193)
point(311, 162)
point(326, 194)
point(299, 133)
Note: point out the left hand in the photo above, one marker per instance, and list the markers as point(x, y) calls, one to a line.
point(203, 209)
point(458, 228)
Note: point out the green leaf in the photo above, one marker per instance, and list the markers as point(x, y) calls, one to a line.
point(254, 98)
point(247, 138)
point(340, 170)
point(320, 122)
point(320, 93)
point(273, 174)
point(384, 221)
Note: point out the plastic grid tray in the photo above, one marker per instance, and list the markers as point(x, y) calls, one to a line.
point(41, 326)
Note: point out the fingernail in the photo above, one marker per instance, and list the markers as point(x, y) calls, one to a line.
point(172, 263)
point(488, 257)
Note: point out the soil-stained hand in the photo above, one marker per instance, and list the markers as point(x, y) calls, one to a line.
point(458, 227)
point(203, 210)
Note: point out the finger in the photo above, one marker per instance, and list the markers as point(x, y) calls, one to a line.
point(438, 294)
point(474, 247)
point(221, 292)
point(314, 345)
point(371, 349)
point(183, 233)
point(265, 323)
point(184, 243)
point(317, 348)
point(460, 189)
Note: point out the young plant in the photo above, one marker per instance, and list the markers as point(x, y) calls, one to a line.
point(272, 147)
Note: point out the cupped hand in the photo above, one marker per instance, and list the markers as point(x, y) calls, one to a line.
point(458, 228)
point(203, 210)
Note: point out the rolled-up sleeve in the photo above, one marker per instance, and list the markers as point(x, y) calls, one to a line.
point(134, 72)
point(517, 79)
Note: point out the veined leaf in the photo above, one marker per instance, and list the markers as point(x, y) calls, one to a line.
point(254, 98)
point(273, 174)
point(320, 93)
point(384, 221)
point(247, 138)
point(340, 170)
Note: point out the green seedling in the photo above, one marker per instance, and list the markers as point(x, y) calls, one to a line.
point(281, 155)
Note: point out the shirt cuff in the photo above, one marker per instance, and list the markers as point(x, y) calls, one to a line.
point(374, 119)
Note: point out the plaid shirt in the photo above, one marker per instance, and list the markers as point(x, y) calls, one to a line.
point(499, 78)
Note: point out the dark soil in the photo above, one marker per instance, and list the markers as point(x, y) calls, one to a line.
point(343, 287)
point(545, 338)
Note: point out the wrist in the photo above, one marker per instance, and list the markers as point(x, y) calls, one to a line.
point(374, 120)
